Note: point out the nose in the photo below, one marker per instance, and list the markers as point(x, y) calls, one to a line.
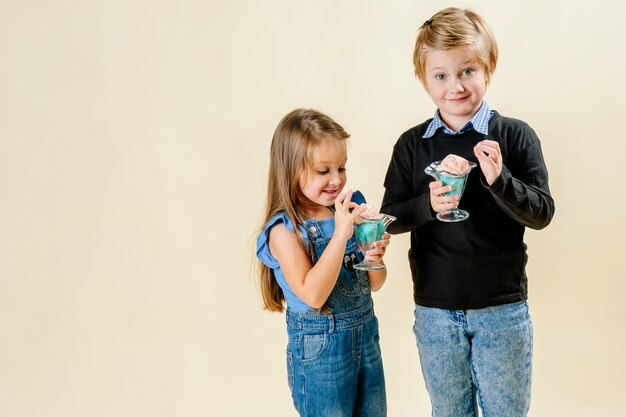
point(457, 86)
point(335, 180)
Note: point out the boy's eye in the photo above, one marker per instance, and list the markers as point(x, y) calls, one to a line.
point(342, 169)
point(468, 71)
point(440, 77)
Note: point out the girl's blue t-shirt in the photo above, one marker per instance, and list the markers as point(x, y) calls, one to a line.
point(264, 255)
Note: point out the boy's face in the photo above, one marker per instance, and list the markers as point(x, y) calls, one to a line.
point(456, 81)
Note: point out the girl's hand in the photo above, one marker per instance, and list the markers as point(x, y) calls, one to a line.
point(378, 249)
point(438, 200)
point(489, 158)
point(344, 219)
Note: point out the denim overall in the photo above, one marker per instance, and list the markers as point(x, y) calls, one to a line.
point(333, 360)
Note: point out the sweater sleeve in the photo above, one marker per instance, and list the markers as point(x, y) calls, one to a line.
point(399, 200)
point(522, 189)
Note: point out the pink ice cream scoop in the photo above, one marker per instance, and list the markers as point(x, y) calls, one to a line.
point(370, 212)
point(454, 164)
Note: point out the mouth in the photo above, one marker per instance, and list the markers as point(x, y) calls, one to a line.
point(331, 193)
point(458, 99)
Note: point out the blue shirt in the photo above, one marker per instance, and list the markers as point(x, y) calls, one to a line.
point(480, 123)
point(264, 254)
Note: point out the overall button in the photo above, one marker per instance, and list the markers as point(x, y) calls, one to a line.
point(312, 229)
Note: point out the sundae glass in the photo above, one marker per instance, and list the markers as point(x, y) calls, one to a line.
point(452, 170)
point(371, 229)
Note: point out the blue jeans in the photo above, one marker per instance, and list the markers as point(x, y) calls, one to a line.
point(476, 356)
point(334, 364)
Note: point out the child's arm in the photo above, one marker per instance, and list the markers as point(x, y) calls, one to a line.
point(400, 200)
point(526, 197)
point(313, 283)
point(377, 278)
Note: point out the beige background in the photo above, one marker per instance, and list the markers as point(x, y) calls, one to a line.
point(133, 155)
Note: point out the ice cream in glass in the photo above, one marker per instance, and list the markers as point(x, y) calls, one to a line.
point(452, 170)
point(370, 230)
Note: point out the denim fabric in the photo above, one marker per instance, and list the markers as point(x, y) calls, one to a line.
point(476, 357)
point(334, 361)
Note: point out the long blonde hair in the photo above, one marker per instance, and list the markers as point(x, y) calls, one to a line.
point(297, 135)
point(451, 28)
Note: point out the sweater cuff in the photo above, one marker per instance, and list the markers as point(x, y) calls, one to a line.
point(499, 184)
point(425, 213)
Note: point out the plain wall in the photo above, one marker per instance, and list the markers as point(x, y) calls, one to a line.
point(134, 142)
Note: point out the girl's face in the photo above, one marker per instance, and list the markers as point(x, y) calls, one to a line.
point(456, 81)
point(326, 176)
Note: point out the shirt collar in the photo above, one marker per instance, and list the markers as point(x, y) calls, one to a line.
point(480, 123)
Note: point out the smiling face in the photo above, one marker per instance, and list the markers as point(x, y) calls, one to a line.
point(326, 176)
point(456, 81)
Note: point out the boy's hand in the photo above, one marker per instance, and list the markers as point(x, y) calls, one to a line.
point(378, 249)
point(489, 158)
point(438, 200)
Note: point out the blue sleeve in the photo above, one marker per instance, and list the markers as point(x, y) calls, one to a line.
point(357, 197)
point(262, 242)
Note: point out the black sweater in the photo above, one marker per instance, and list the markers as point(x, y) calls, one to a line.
point(479, 262)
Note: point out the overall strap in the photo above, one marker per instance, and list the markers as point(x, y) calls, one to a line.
point(314, 230)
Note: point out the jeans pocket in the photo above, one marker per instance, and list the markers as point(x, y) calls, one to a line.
point(353, 282)
point(314, 345)
point(290, 370)
point(364, 282)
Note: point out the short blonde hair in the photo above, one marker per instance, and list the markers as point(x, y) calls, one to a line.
point(451, 28)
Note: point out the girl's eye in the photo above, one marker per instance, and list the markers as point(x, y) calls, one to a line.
point(342, 170)
point(440, 77)
point(322, 172)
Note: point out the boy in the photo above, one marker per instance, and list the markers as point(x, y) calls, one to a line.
point(472, 326)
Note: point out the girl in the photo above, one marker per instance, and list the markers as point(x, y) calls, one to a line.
point(306, 250)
